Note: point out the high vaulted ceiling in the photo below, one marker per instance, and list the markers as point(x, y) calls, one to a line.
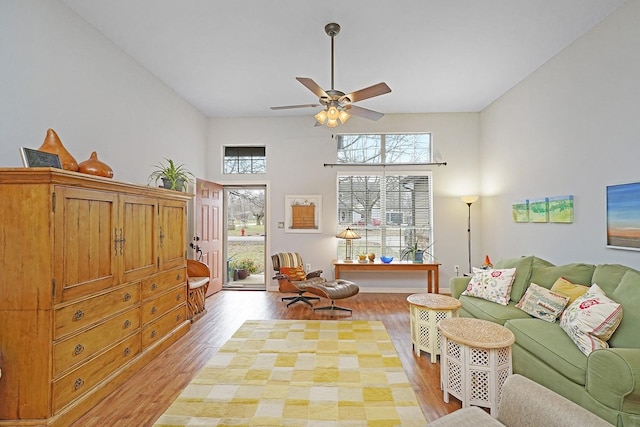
point(237, 58)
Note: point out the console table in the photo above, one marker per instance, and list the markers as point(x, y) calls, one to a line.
point(378, 266)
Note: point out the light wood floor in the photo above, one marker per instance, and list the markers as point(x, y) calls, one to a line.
point(142, 399)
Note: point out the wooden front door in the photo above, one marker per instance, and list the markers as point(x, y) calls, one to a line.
point(208, 239)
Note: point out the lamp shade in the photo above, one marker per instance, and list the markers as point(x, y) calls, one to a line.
point(348, 234)
point(469, 199)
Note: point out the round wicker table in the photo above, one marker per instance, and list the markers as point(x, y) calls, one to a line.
point(475, 361)
point(426, 311)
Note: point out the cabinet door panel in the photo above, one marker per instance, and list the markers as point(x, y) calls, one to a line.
point(139, 225)
point(173, 229)
point(85, 257)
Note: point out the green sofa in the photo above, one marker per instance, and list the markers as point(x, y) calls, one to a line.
point(607, 382)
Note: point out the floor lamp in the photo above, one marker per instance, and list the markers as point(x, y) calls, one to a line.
point(469, 201)
point(348, 234)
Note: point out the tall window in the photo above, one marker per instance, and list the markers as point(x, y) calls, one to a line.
point(388, 209)
point(244, 160)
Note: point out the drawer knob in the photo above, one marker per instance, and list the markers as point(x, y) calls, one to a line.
point(79, 315)
point(153, 334)
point(127, 323)
point(154, 286)
point(178, 297)
point(179, 317)
point(79, 382)
point(154, 310)
point(79, 349)
point(127, 297)
point(178, 276)
point(127, 351)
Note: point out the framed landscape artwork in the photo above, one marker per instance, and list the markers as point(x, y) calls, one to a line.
point(623, 216)
point(539, 210)
point(561, 209)
point(520, 211)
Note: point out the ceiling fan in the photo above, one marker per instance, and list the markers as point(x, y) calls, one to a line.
point(338, 105)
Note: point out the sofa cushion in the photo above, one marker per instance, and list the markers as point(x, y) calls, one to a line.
point(523, 273)
point(591, 320)
point(576, 273)
point(487, 310)
point(627, 293)
point(569, 289)
point(542, 303)
point(492, 285)
point(608, 276)
point(549, 343)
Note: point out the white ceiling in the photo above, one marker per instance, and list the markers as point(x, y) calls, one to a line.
point(237, 58)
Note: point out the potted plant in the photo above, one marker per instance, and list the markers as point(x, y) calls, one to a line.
point(414, 252)
point(173, 177)
point(243, 268)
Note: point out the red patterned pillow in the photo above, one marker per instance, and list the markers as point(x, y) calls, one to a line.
point(294, 273)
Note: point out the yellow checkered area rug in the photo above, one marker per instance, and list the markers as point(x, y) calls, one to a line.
point(300, 373)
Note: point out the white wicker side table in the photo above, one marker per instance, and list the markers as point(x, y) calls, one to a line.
point(475, 361)
point(426, 311)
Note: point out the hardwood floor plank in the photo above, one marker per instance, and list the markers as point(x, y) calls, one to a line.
point(142, 399)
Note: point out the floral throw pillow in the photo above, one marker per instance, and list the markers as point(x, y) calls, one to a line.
point(591, 320)
point(492, 285)
point(542, 303)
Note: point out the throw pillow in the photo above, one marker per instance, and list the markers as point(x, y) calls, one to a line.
point(492, 285)
point(572, 290)
point(591, 320)
point(542, 303)
point(294, 273)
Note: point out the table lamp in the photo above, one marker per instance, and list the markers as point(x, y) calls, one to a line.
point(348, 234)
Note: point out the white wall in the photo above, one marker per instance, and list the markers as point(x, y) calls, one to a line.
point(572, 127)
point(59, 72)
point(296, 152)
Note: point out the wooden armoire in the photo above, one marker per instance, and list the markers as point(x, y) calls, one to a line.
point(92, 287)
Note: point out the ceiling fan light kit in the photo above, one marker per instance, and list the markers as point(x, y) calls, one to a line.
point(338, 106)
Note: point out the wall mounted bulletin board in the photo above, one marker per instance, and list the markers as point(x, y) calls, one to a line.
point(623, 216)
point(303, 213)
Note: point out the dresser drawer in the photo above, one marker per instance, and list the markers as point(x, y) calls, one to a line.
point(77, 348)
point(85, 377)
point(153, 309)
point(163, 325)
point(159, 283)
point(76, 316)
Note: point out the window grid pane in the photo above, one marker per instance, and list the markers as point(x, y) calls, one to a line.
point(387, 217)
point(244, 160)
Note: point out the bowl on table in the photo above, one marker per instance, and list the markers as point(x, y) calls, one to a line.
point(386, 259)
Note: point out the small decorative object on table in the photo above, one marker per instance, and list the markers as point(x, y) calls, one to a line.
point(487, 265)
point(53, 145)
point(362, 257)
point(371, 256)
point(386, 259)
point(93, 166)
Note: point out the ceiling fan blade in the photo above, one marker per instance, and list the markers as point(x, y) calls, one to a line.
point(287, 107)
point(313, 87)
point(364, 112)
point(368, 92)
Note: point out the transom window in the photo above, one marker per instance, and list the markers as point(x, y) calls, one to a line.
point(384, 148)
point(388, 209)
point(244, 160)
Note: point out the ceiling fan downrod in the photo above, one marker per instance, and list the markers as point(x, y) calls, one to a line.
point(332, 30)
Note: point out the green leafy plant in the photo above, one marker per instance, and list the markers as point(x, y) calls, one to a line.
point(174, 177)
point(245, 264)
point(409, 252)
